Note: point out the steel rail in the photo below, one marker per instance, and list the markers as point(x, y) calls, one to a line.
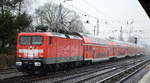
point(111, 68)
point(119, 73)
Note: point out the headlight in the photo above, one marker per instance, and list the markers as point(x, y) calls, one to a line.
point(37, 63)
point(19, 56)
point(18, 63)
point(41, 56)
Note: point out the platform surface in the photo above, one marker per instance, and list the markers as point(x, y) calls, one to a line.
point(145, 78)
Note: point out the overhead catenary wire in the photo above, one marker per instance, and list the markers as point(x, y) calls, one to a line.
point(83, 13)
point(116, 19)
point(106, 19)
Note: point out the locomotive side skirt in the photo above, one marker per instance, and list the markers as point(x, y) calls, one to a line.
point(62, 59)
point(53, 60)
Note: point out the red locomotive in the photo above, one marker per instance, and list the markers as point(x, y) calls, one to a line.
point(40, 51)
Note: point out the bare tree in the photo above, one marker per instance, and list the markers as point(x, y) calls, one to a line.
point(58, 19)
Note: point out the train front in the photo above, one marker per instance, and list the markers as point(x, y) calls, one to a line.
point(30, 52)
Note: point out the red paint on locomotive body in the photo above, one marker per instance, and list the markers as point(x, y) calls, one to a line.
point(51, 47)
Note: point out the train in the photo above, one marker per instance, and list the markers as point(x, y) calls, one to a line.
point(47, 51)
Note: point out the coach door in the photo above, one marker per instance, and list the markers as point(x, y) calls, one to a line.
point(87, 53)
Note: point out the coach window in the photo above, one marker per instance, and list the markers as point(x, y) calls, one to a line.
point(90, 48)
point(50, 40)
point(86, 48)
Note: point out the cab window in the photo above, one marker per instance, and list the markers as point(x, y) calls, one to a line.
point(25, 40)
point(31, 40)
point(37, 40)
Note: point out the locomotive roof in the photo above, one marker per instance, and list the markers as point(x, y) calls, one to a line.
point(36, 34)
point(51, 34)
point(66, 35)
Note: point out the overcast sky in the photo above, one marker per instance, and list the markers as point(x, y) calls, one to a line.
point(116, 12)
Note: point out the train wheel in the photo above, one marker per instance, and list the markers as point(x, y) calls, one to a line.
point(113, 58)
point(49, 68)
point(72, 65)
point(34, 72)
point(64, 66)
point(57, 67)
point(61, 66)
point(77, 64)
point(88, 63)
point(40, 70)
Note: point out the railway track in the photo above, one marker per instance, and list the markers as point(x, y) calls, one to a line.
point(7, 70)
point(65, 76)
point(75, 77)
point(91, 74)
point(85, 77)
point(121, 76)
